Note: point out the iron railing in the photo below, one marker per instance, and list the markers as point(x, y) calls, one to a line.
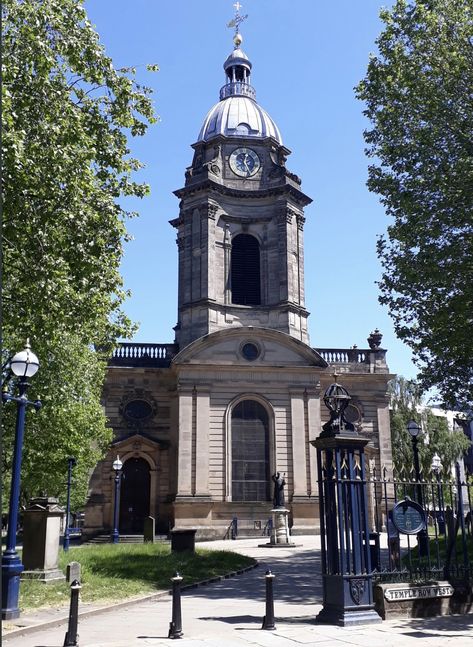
point(448, 540)
point(237, 88)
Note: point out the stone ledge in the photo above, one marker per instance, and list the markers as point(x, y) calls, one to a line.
point(416, 600)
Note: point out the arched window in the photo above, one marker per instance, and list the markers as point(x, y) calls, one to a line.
point(250, 452)
point(245, 267)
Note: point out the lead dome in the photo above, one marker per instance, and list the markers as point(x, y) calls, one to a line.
point(237, 114)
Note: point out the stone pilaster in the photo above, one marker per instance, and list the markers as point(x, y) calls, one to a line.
point(202, 442)
point(184, 460)
point(314, 428)
point(298, 444)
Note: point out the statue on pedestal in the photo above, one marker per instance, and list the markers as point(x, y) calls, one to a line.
point(278, 496)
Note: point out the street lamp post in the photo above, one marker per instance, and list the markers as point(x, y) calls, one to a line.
point(23, 365)
point(415, 431)
point(117, 467)
point(71, 462)
point(436, 469)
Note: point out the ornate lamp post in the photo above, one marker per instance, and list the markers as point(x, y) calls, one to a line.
point(415, 432)
point(23, 365)
point(71, 462)
point(117, 467)
point(346, 561)
point(436, 467)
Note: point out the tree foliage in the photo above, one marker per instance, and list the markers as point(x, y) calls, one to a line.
point(406, 405)
point(67, 117)
point(417, 93)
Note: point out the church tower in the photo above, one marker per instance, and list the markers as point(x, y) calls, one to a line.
point(240, 226)
point(203, 424)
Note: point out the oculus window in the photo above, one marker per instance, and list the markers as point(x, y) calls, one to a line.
point(250, 452)
point(250, 351)
point(245, 270)
point(138, 410)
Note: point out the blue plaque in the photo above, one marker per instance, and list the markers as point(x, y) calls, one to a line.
point(409, 517)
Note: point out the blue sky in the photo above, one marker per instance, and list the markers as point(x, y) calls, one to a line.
point(307, 57)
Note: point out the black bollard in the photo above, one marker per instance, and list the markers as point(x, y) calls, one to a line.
point(71, 635)
point(268, 620)
point(175, 626)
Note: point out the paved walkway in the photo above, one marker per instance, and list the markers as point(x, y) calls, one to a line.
point(229, 613)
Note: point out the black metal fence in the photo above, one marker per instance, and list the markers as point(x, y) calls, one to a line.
point(444, 550)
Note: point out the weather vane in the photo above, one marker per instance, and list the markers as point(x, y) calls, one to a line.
point(236, 22)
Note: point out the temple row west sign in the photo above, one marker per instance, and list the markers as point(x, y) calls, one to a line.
point(418, 592)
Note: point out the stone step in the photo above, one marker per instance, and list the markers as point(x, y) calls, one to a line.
point(125, 539)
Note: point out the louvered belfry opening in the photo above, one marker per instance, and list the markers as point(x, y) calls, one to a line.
point(246, 284)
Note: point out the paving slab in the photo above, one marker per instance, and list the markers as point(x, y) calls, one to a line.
point(229, 613)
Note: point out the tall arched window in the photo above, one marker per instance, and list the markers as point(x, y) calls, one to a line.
point(245, 268)
point(250, 452)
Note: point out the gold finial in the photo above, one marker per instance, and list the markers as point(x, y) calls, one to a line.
point(335, 375)
point(236, 22)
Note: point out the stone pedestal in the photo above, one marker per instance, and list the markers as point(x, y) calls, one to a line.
point(41, 531)
point(280, 532)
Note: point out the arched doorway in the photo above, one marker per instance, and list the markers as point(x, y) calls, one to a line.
point(134, 496)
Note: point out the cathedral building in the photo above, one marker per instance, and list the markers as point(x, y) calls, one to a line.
point(203, 423)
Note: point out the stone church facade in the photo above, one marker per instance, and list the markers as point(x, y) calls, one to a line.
point(202, 424)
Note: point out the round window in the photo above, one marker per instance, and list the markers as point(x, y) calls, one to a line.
point(250, 351)
point(138, 410)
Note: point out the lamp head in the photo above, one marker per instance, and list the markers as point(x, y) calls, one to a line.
point(25, 363)
point(414, 428)
point(117, 464)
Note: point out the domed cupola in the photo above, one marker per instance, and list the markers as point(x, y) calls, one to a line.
point(237, 114)
point(237, 69)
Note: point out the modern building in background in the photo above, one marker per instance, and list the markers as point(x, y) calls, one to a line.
point(202, 424)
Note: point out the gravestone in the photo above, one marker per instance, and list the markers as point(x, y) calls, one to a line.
point(41, 530)
point(149, 530)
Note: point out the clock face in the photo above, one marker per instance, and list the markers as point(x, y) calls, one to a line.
point(244, 162)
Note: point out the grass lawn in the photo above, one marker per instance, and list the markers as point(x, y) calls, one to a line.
point(442, 543)
point(118, 571)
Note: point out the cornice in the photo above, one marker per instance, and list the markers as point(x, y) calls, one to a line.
point(257, 194)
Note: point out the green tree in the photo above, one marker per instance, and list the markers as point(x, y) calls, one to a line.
point(406, 405)
point(417, 93)
point(67, 117)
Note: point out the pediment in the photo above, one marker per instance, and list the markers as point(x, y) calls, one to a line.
point(144, 441)
point(233, 347)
